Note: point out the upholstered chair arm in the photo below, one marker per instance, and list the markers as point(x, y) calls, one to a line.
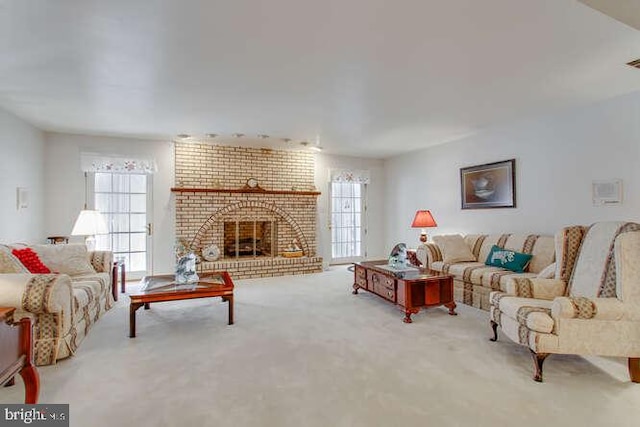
point(585, 308)
point(427, 253)
point(36, 293)
point(525, 287)
point(102, 261)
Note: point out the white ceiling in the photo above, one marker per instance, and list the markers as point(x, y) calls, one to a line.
point(368, 77)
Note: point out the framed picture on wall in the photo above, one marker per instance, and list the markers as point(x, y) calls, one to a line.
point(492, 185)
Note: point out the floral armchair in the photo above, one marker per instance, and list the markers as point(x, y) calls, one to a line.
point(592, 306)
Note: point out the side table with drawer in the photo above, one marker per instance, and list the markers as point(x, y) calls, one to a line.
point(16, 354)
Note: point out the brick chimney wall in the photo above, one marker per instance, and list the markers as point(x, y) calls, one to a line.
point(200, 214)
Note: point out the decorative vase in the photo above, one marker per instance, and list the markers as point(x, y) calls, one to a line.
point(186, 269)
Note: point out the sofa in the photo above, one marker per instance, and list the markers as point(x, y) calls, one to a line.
point(464, 257)
point(63, 304)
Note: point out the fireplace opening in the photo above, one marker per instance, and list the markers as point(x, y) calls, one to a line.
point(249, 239)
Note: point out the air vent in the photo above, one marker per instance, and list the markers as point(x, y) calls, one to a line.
point(635, 63)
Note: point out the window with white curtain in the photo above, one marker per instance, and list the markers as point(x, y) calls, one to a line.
point(348, 209)
point(346, 220)
point(122, 200)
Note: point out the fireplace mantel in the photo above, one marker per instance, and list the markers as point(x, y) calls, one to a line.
point(243, 190)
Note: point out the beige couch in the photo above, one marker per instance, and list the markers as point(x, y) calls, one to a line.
point(63, 305)
point(473, 280)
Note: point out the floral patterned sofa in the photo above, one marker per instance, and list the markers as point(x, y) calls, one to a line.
point(64, 304)
point(473, 279)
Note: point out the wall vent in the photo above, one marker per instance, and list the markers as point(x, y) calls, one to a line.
point(634, 63)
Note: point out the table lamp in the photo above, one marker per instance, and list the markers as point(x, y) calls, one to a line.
point(423, 219)
point(89, 223)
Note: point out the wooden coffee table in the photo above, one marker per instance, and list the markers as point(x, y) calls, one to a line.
point(412, 289)
point(163, 288)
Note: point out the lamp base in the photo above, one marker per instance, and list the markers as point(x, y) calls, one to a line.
point(423, 237)
point(90, 241)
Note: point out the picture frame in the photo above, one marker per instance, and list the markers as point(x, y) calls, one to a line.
point(489, 186)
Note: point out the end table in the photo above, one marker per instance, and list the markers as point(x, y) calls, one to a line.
point(118, 264)
point(16, 354)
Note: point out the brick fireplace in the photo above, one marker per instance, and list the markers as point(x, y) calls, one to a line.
point(253, 204)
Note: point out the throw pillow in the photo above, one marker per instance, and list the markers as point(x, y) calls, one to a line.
point(549, 272)
point(9, 264)
point(71, 259)
point(506, 258)
point(453, 248)
point(30, 260)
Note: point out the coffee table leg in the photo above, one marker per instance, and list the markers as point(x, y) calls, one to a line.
point(408, 312)
point(147, 306)
point(407, 317)
point(132, 318)
point(229, 300)
point(452, 308)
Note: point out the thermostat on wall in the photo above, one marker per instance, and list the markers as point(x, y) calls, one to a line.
point(607, 192)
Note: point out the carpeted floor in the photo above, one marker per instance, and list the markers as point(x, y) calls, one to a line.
point(306, 352)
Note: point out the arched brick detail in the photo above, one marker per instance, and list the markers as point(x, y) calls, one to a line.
point(217, 215)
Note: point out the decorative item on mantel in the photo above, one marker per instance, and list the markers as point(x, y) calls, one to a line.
point(252, 185)
point(423, 219)
point(293, 251)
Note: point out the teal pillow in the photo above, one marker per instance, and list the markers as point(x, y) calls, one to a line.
point(506, 258)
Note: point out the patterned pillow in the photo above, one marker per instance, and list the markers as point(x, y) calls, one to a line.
point(453, 248)
point(506, 258)
point(9, 264)
point(30, 260)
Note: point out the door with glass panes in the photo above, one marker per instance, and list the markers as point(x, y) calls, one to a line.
point(124, 201)
point(348, 228)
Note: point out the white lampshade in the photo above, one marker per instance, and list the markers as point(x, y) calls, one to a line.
point(89, 223)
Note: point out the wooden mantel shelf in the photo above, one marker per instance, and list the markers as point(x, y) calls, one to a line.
point(243, 190)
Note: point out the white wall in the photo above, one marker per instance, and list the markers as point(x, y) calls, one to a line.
point(21, 165)
point(65, 185)
point(375, 200)
point(557, 158)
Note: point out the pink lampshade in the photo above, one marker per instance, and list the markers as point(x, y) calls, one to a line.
point(423, 219)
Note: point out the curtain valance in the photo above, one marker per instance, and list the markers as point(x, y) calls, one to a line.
point(93, 162)
point(349, 175)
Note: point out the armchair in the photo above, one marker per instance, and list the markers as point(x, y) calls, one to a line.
point(592, 307)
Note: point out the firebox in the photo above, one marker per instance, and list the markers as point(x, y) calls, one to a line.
point(249, 239)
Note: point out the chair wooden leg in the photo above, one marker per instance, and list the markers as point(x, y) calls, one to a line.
point(634, 369)
point(538, 360)
point(494, 326)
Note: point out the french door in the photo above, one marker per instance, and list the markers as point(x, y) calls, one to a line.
point(124, 200)
point(348, 228)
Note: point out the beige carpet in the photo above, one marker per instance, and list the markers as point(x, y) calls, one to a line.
point(306, 352)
